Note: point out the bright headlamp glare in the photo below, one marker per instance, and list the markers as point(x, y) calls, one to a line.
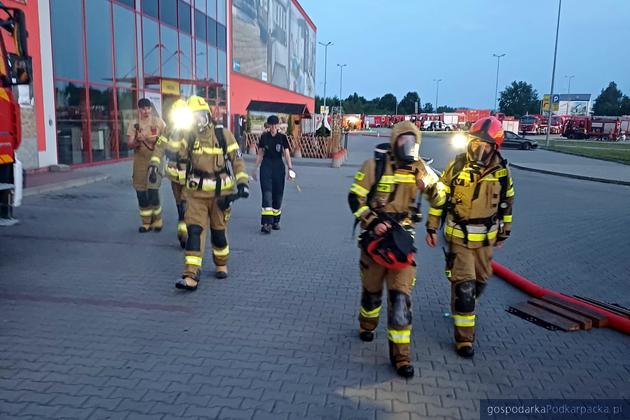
point(459, 141)
point(182, 118)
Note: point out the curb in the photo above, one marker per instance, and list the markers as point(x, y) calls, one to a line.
point(582, 177)
point(42, 189)
point(587, 157)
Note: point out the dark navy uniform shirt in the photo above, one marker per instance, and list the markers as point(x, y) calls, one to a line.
point(273, 145)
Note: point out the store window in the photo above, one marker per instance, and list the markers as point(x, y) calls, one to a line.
point(150, 7)
point(71, 119)
point(200, 25)
point(184, 11)
point(222, 77)
point(212, 32)
point(125, 46)
point(129, 3)
point(213, 72)
point(126, 101)
point(185, 57)
point(102, 123)
point(99, 40)
point(201, 64)
point(67, 38)
point(170, 52)
point(221, 37)
point(168, 12)
point(151, 46)
point(221, 11)
point(200, 5)
point(212, 9)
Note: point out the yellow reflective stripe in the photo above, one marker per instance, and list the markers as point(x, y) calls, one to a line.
point(276, 212)
point(193, 260)
point(232, 147)
point(242, 175)
point(157, 211)
point(266, 211)
point(374, 313)
point(399, 336)
point(359, 176)
point(223, 252)
point(182, 228)
point(209, 184)
point(501, 173)
point(507, 218)
point(387, 179)
point(385, 187)
point(489, 178)
point(155, 159)
point(464, 320)
point(510, 192)
point(405, 179)
point(359, 190)
point(208, 151)
point(435, 212)
point(361, 210)
point(171, 171)
point(146, 213)
point(474, 237)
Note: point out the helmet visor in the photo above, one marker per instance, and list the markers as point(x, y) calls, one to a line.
point(479, 151)
point(407, 150)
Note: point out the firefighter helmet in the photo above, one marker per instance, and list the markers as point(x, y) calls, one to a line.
point(489, 130)
point(197, 103)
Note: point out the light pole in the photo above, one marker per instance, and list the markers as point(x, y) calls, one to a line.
point(553, 75)
point(569, 88)
point(496, 87)
point(341, 66)
point(326, 45)
point(437, 92)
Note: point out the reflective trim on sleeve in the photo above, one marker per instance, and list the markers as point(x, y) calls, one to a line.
point(361, 210)
point(435, 212)
point(359, 176)
point(359, 190)
point(507, 218)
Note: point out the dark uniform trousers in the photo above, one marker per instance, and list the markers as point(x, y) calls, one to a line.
point(272, 176)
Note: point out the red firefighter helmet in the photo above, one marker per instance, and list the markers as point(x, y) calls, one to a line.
point(489, 130)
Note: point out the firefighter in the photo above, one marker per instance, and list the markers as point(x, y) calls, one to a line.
point(474, 198)
point(272, 147)
point(383, 199)
point(180, 120)
point(142, 138)
point(215, 175)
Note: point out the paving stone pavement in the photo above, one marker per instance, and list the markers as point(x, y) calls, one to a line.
point(91, 326)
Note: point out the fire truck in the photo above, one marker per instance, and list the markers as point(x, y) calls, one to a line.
point(532, 124)
point(599, 127)
point(15, 69)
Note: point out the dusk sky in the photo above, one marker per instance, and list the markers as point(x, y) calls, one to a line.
point(399, 46)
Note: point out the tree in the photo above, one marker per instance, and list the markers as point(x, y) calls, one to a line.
point(518, 99)
point(609, 101)
point(387, 103)
point(408, 104)
point(625, 106)
point(445, 108)
point(427, 108)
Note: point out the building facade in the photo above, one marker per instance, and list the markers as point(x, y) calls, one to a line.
point(93, 59)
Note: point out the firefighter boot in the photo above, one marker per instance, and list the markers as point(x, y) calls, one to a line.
point(266, 229)
point(465, 350)
point(366, 336)
point(187, 283)
point(221, 272)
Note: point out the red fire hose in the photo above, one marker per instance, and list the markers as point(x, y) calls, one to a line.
point(615, 321)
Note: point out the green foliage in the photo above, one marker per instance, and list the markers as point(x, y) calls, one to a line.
point(611, 102)
point(518, 99)
point(408, 103)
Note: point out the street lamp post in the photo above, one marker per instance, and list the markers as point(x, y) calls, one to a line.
point(496, 87)
point(326, 45)
point(437, 92)
point(553, 75)
point(569, 88)
point(341, 66)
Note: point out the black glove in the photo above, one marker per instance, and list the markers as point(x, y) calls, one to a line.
point(243, 190)
point(153, 174)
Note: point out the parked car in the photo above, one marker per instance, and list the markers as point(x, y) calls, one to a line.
point(516, 141)
point(437, 126)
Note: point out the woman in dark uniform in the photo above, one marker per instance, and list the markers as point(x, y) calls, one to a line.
point(273, 145)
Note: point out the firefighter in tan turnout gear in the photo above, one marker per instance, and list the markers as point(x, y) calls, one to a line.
point(215, 176)
point(474, 198)
point(180, 123)
point(142, 138)
point(383, 198)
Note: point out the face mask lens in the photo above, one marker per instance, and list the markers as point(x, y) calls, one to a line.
point(407, 148)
